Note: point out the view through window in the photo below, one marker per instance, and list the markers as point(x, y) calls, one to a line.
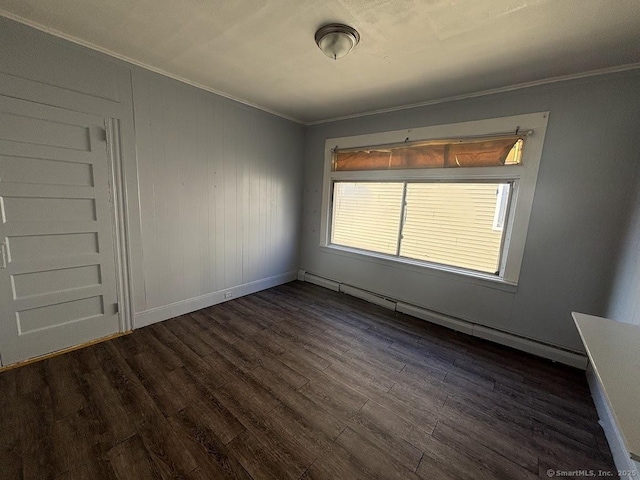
point(457, 224)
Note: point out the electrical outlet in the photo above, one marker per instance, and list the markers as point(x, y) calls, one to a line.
point(228, 295)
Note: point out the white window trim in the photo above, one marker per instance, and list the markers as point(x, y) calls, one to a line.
point(524, 179)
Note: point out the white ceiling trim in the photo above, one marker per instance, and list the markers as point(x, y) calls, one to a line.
point(510, 88)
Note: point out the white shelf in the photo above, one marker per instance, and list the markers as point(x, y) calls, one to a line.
point(614, 352)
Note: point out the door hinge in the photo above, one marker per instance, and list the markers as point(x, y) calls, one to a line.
point(103, 134)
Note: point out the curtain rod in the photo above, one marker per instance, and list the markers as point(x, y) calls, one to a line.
point(517, 134)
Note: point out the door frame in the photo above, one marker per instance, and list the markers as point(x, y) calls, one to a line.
point(118, 198)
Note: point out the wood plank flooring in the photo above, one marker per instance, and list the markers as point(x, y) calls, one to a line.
point(296, 382)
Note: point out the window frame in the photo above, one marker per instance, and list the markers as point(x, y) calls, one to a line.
point(523, 178)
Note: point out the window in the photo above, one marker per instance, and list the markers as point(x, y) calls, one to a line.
point(453, 197)
point(444, 223)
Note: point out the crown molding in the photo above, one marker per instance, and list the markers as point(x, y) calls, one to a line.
point(482, 93)
point(493, 91)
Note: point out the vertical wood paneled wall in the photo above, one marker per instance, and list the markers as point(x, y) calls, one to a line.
point(220, 189)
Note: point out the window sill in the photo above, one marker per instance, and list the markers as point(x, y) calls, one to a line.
point(459, 274)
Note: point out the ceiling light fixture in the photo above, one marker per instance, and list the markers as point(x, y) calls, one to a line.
point(336, 40)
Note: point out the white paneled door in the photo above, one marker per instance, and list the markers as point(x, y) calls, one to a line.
point(57, 263)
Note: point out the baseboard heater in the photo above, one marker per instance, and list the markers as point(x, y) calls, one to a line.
point(320, 281)
point(540, 349)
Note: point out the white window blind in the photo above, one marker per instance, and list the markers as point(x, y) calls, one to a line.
point(367, 215)
point(452, 224)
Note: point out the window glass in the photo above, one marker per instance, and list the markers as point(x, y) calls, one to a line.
point(366, 215)
point(453, 224)
point(432, 154)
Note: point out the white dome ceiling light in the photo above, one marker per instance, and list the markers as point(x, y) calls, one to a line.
point(336, 40)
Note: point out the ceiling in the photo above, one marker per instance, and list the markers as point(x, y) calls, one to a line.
point(412, 51)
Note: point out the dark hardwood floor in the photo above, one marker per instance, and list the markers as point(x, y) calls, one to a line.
point(296, 382)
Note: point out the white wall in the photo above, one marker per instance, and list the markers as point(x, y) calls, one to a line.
point(220, 188)
point(624, 302)
point(580, 206)
point(194, 150)
point(213, 186)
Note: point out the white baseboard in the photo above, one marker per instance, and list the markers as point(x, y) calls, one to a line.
point(619, 451)
point(165, 312)
point(503, 338)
